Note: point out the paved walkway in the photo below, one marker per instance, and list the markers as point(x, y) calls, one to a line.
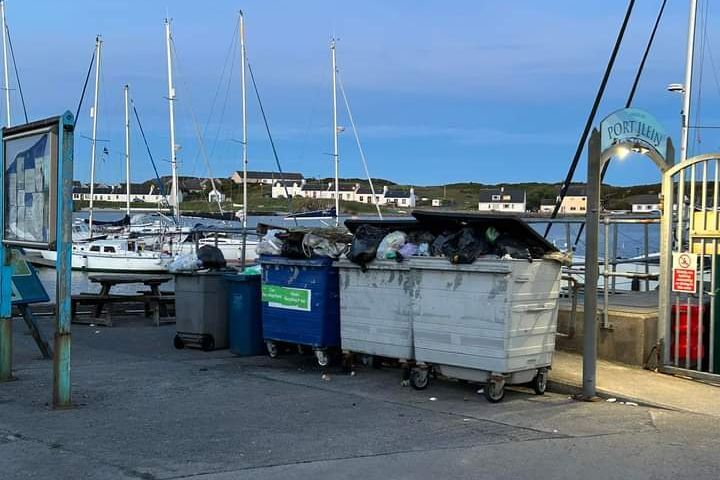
point(638, 385)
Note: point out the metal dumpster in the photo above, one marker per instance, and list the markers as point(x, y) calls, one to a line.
point(492, 321)
point(244, 315)
point(201, 310)
point(381, 326)
point(300, 304)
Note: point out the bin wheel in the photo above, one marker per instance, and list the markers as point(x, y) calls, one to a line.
point(322, 358)
point(208, 343)
point(178, 342)
point(272, 349)
point(419, 378)
point(494, 391)
point(539, 383)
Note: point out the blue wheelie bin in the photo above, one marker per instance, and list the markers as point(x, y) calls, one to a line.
point(244, 315)
point(300, 304)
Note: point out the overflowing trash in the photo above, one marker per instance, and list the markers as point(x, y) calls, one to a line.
point(211, 257)
point(185, 262)
point(461, 238)
point(305, 243)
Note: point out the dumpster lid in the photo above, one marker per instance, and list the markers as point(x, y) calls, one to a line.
point(391, 223)
point(511, 225)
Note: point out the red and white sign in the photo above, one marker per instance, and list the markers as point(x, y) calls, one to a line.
point(684, 272)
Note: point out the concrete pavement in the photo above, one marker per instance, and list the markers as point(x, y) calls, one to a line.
point(147, 411)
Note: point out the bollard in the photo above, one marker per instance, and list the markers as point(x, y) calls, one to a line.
point(6, 350)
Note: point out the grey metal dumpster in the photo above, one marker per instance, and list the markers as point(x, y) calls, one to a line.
point(201, 310)
point(492, 321)
point(376, 309)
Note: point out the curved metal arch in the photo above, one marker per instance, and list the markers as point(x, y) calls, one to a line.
point(651, 153)
point(690, 162)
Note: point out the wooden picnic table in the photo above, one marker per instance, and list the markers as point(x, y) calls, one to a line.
point(153, 299)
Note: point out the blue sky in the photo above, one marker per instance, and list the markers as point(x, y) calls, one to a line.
point(441, 92)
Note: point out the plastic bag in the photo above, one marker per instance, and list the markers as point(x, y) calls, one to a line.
point(390, 245)
point(185, 262)
point(211, 257)
point(292, 246)
point(365, 243)
point(270, 244)
point(323, 247)
point(465, 246)
point(423, 250)
point(408, 250)
point(253, 270)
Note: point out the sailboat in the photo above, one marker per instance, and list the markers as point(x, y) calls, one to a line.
point(116, 255)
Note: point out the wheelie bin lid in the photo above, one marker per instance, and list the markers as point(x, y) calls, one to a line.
point(512, 225)
point(242, 277)
point(303, 262)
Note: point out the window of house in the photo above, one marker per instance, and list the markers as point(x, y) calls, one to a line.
point(506, 205)
point(496, 197)
point(572, 209)
point(506, 198)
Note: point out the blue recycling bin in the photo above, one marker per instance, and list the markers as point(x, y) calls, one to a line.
point(300, 304)
point(244, 315)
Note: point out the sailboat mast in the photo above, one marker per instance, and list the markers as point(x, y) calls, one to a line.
point(336, 156)
point(174, 194)
point(94, 114)
point(5, 64)
point(687, 90)
point(127, 148)
point(243, 63)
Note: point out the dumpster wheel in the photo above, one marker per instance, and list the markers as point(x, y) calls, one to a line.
point(178, 342)
point(272, 349)
point(494, 391)
point(419, 378)
point(539, 383)
point(322, 358)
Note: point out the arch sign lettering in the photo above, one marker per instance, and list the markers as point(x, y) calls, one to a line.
point(632, 125)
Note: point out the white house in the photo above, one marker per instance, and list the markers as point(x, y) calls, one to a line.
point(117, 193)
point(401, 198)
point(502, 200)
point(437, 202)
point(645, 203)
point(281, 189)
point(216, 196)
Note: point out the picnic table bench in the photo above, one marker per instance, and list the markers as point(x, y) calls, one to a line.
point(154, 300)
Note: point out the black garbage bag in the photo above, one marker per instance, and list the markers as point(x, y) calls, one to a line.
point(517, 248)
point(465, 246)
point(292, 246)
point(436, 247)
point(211, 257)
point(365, 244)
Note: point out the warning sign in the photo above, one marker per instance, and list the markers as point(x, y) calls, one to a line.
point(684, 272)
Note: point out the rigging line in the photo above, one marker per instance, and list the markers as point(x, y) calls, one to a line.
point(17, 75)
point(701, 69)
point(201, 142)
point(82, 95)
point(714, 69)
point(272, 142)
point(230, 54)
point(591, 117)
point(152, 160)
point(225, 100)
point(633, 90)
point(359, 145)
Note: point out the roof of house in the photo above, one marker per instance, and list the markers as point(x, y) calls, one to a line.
point(574, 191)
point(516, 195)
point(316, 186)
point(272, 175)
point(644, 199)
point(365, 190)
point(397, 194)
point(135, 189)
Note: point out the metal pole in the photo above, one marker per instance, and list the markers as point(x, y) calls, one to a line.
point(646, 253)
point(591, 266)
point(5, 64)
point(614, 256)
point(94, 112)
point(606, 271)
point(687, 86)
point(336, 156)
point(243, 62)
point(174, 194)
point(63, 340)
point(666, 233)
point(127, 149)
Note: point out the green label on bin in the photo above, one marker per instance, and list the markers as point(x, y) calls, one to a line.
point(285, 297)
